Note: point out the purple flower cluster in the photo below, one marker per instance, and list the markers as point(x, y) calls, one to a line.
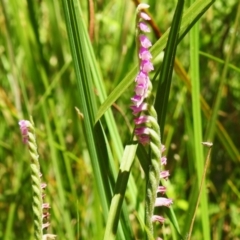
point(146, 126)
point(24, 124)
point(142, 79)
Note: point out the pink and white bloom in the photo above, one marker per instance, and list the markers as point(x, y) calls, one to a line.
point(141, 119)
point(144, 41)
point(143, 27)
point(142, 79)
point(24, 124)
point(146, 66)
point(144, 16)
point(164, 174)
point(141, 108)
point(163, 160)
point(144, 54)
point(144, 139)
point(156, 218)
point(161, 189)
point(162, 201)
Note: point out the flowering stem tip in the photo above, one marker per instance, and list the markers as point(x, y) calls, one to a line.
point(40, 209)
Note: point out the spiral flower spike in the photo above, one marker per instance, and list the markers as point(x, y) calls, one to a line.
point(147, 129)
point(40, 209)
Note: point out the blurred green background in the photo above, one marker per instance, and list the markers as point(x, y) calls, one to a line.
point(37, 78)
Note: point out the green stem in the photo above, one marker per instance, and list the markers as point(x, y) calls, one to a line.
point(200, 189)
point(36, 183)
point(197, 124)
point(153, 174)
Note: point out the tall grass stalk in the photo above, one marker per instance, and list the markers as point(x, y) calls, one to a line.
point(197, 124)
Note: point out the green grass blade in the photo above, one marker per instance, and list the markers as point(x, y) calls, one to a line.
point(201, 185)
point(218, 60)
point(119, 192)
point(204, 6)
point(197, 125)
point(125, 226)
point(165, 79)
point(85, 70)
point(110, 121)
point(87, 101)
point(172, 217)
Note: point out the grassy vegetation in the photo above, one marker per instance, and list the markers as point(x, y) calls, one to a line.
point(71, 66)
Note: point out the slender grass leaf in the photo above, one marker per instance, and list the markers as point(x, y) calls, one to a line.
point(119, 192)
point(87, 101)
point(165, 79)
point(197, 125)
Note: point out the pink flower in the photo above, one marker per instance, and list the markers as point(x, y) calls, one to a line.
point(161, 189)
point(156, 218)
point(144, 54)
point(43, 186)
point(141, 130)
point(45, 206)
point(146, 66)
point(45, 215)
point(143, 27)
point(137, 100)
point(142, 134)
point(164, 174)
point(141, 120)
point(163, 160)
point(24, 124)
point(163, 148)
point(144, 41)
point(144, 16)
point(45, 225)
point(142, 78)
point(161, 201)
point(140, 90)
point(137, 109)
point(144, 139)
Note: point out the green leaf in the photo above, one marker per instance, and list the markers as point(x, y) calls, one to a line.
point(119, 192)
point(197, 126)
point(86, 72)
point(164, 83)
point(165, 79)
